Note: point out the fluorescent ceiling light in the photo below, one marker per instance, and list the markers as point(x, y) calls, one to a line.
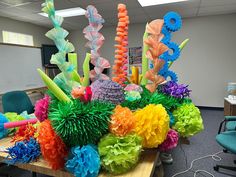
point(68, 12)
point(144, 3)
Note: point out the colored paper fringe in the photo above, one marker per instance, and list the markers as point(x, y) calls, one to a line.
point(122, 121)
point(119, 154)
point(12, 116)
point(23, 152)
point(108, 91)
point(121, 53)
point(152, 124)
point(188, 120)
point(24, 133)
point(41, 108)
point(96, 40)
point(176, 90)
point(53, 149)
point(3, 131)
point(84, 161)
point(170, 142)
point(80, 124)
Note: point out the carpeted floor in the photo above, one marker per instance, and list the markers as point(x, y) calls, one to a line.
point(200, 145)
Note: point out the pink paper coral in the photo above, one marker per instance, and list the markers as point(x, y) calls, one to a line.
point(170, 142)
point(41, 108)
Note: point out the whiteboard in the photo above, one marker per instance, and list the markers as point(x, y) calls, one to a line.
point(18, 68)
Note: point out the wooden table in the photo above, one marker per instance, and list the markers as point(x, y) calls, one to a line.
point(229, 107)
point(145, 167)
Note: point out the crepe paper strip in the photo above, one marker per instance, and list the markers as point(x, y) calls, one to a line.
point(95, 42)
point(152, 128)
point(119, 154)
point(144, 58)
point(170, 142)
point(72, 57)
point(53, 149)
point(25, 132)
point(41, 108)
point(57, 92)
point(23, 152)
point(172, 21)
point(121, 56)
point(3, 131)
point(188, 120)
point(84, 161)
point(181, 46)
point(86, 70)
point(19, 123)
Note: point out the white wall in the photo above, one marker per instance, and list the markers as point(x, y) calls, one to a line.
point(207, 63)
point(37, 32)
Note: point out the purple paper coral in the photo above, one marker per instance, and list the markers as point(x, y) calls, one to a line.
point(41, 108)
point(176, 90)
point(107, 90)
point(95, 42)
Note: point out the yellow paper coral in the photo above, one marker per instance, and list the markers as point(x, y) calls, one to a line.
point(122, 121)
point(152, 124)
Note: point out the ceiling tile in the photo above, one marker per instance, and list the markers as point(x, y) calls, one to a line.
point(217, 2)
point(216, 10)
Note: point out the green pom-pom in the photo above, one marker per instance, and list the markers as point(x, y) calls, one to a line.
point(78, 123)
point(188, 120)
point(119, 154)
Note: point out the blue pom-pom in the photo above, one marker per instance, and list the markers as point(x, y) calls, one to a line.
point(23, 152)
point(167, 35)
point(172, 21)
point(3, 131)
point(175, 52)
point(171, 75)
point(84, 161)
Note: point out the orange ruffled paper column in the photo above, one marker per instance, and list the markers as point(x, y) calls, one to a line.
point(121, 52)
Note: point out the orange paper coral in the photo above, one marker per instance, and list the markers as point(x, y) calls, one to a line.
point(53, 149)
point(119, 67)
point(122, 121)
point(24, 133)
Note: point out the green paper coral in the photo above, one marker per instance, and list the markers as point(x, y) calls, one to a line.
point(188, 120)
point(78, 123)
point(119, 154)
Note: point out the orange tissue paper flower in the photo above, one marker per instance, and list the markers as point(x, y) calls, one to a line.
point(24, 133)
point(122, 121)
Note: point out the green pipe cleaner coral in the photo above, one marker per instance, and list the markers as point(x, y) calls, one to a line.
point(78, 123)
point(119, 154)
point(188, 120)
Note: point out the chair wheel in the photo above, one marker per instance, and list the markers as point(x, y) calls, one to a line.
point(225, 151)
point(234, 161)
point(216, 168)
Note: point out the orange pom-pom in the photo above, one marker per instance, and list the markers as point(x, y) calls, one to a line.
point(24, 133)
point(52, 147)
point(122, 121)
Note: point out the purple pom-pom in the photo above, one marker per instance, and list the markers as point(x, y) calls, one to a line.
point(176, 90)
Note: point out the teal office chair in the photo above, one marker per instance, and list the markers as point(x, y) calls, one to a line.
point(230, 123)
point(227, 140)
point(17, 101)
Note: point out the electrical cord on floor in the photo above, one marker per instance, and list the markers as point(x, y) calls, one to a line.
point(215, 157)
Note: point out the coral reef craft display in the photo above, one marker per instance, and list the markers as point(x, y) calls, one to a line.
point(84, 128)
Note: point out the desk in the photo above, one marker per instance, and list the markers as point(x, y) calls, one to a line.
point(229, 107)
point(145, 167)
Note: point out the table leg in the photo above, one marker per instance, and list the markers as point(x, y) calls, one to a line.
point(34, 174)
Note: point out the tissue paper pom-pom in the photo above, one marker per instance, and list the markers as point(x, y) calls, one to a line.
point(172, 119)
point(188, 120)
point(24, 133)
point(170, 142)
point(84, 161)
point(23, 152)
point(119, 154)
point(107, 90)
point(3, 131)
point(79, 123)
point(12, 116)
point(41, 108)
point(152, 124)
point(176, 90)
point(122, 121)
point(52, 147)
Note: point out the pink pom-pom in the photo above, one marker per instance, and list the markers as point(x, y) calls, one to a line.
point(41, 108)
point(170, 142)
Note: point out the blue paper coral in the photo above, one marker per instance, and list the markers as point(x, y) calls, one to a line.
point(3, 131)
point(172, 21)
point(84, 161)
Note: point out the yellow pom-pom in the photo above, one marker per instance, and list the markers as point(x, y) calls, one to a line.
point(122, 121)
point(152, 124)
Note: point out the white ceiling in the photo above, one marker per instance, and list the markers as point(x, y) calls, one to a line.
point(27, 10)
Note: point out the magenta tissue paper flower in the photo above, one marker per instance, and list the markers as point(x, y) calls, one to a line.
point(170, 142)
point(41, 108)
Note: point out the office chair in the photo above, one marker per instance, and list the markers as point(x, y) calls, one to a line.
point(17, 101)
point(230, 123)
point(227, 140)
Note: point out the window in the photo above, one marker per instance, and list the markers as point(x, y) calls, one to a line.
point(17, 38)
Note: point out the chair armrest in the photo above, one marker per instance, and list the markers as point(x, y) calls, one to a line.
point(230, 118)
